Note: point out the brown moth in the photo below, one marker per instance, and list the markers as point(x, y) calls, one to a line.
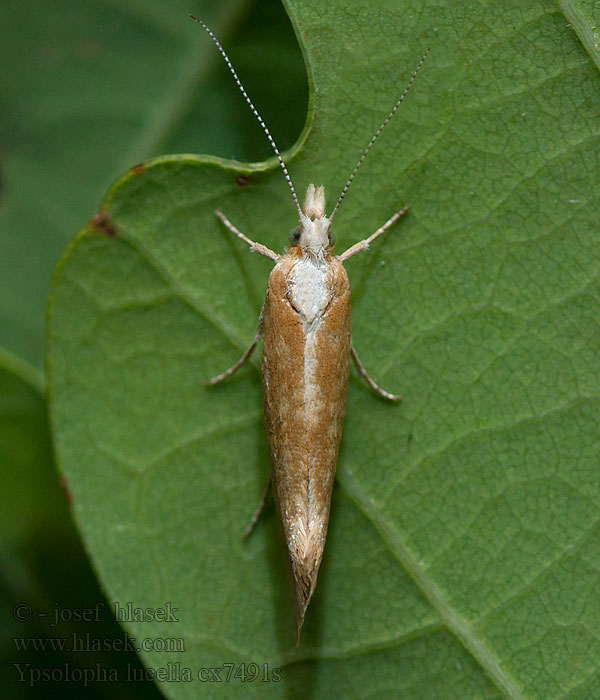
point(305, 327)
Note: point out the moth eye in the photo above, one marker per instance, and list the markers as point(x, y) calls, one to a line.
point(294, 236)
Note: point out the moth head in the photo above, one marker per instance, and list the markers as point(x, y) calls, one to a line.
point(312, 233)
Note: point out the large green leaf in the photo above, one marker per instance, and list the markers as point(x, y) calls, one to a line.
point(463, 550)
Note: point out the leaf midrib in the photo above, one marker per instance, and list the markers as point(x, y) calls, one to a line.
point(582, 30)
point(455, 622)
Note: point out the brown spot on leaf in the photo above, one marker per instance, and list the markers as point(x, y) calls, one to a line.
point(88, 48)
point(64, 485)
point(242, 181)
point(139, 168)
point(103, 224)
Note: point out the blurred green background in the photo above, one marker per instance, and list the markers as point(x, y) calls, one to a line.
point(88, 90)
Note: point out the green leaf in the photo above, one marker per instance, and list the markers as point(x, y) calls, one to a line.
point(24, 451)
point(462, 555)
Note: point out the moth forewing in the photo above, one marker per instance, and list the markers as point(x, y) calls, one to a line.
point(305, 327)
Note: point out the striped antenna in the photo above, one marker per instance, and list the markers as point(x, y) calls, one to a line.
point(288, 179)
point(381, 128)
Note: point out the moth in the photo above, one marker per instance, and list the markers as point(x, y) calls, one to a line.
point(307, 345)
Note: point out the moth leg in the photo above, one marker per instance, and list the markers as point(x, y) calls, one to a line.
point(258, 511)
point(363, 373)
point(244, 358)
point(254, 247)
point(364, 244)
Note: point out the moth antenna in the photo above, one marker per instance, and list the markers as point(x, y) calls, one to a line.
point(381, 128)
point(286, 174)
